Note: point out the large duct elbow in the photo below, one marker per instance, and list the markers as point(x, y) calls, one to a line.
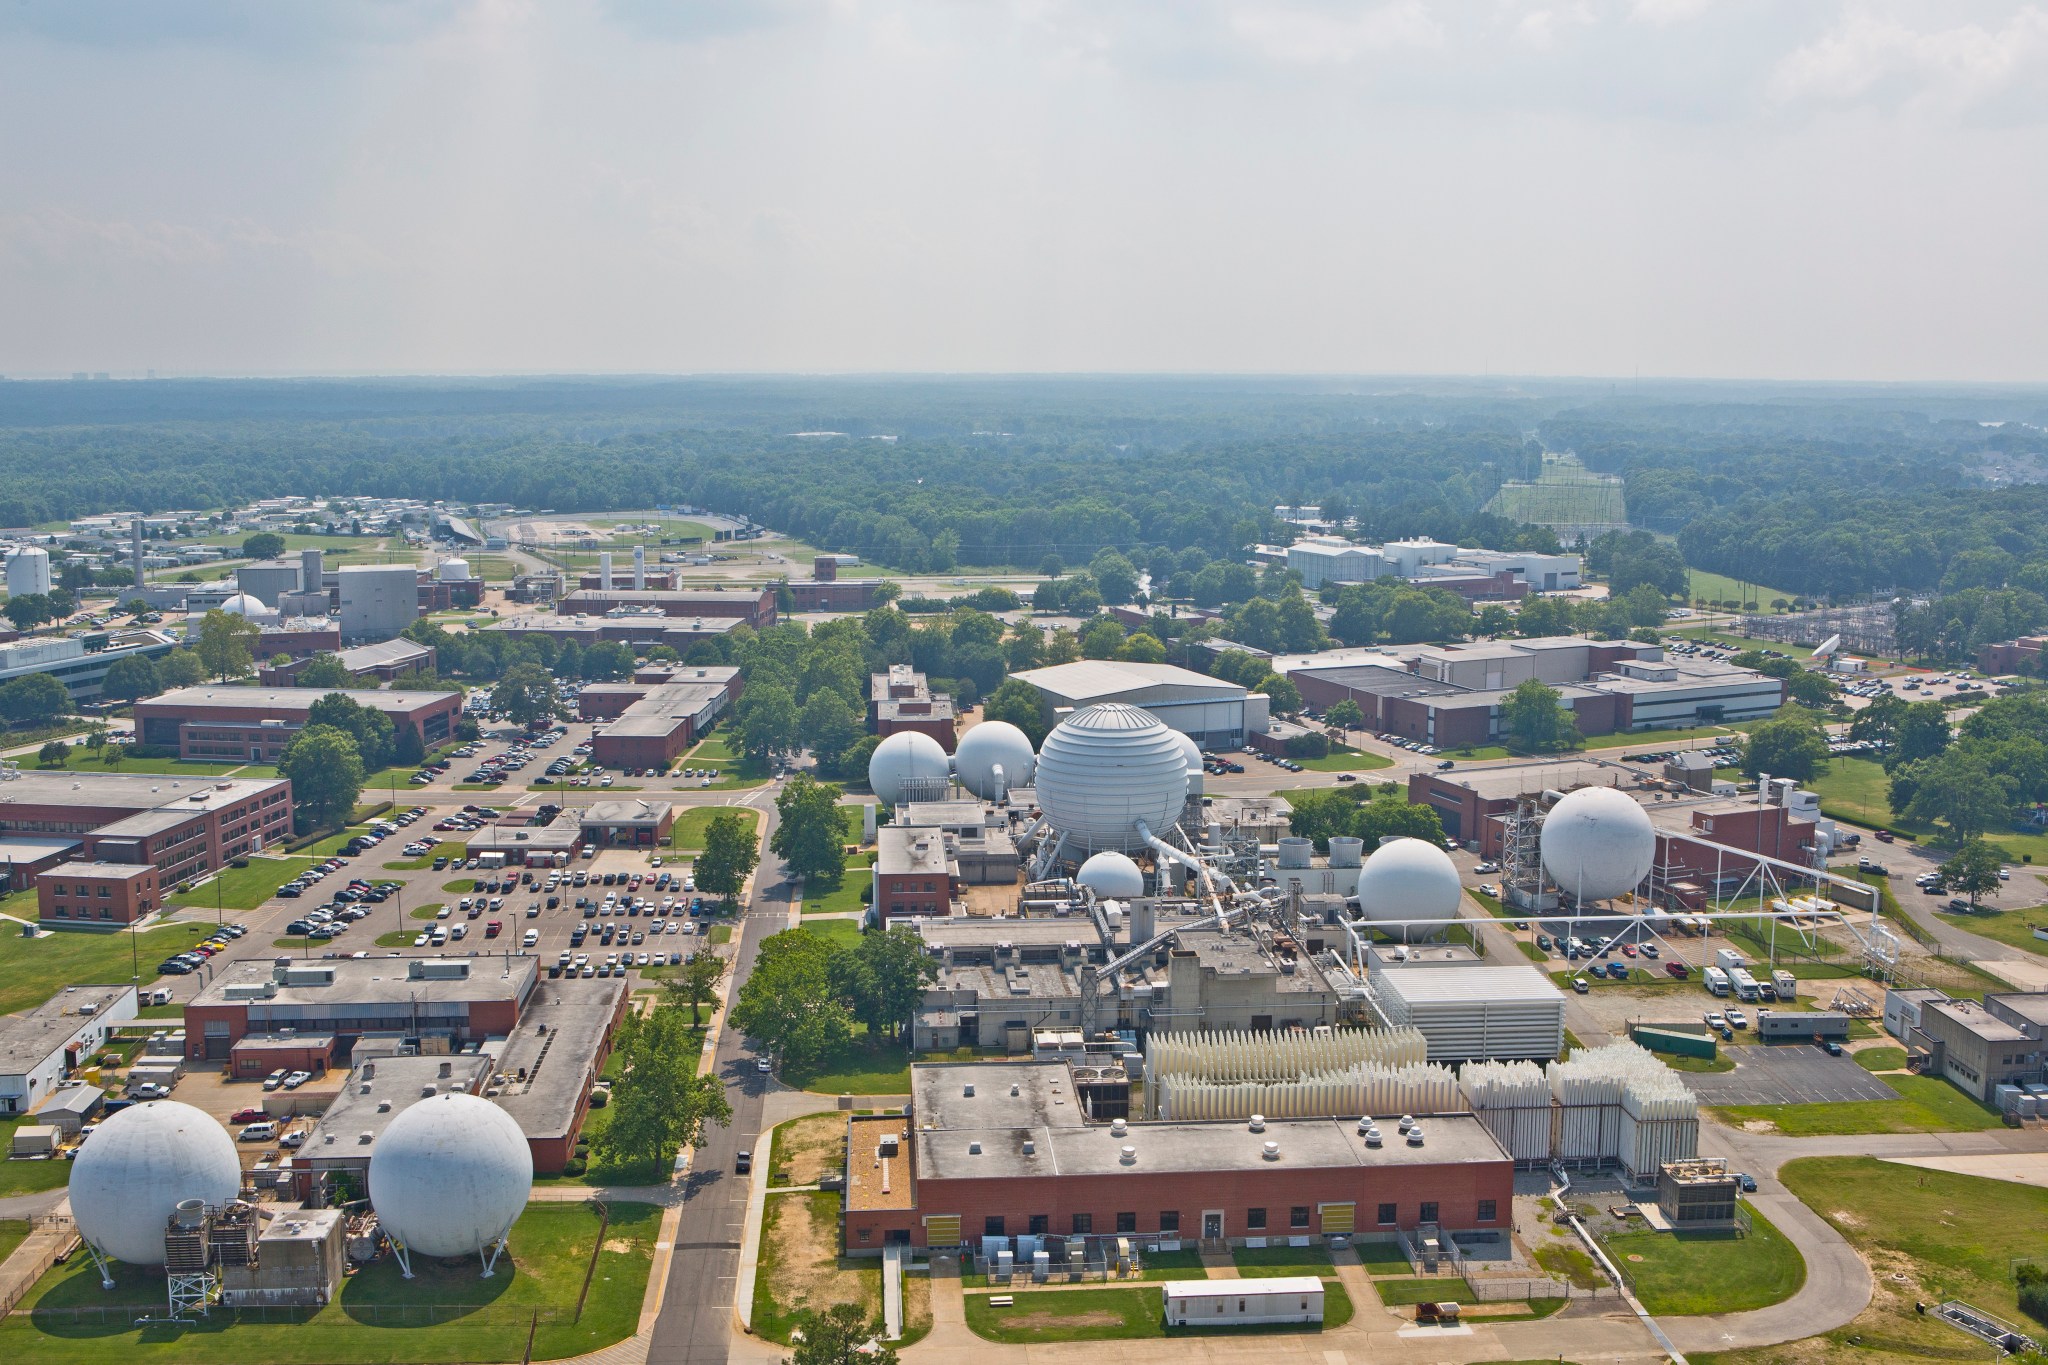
point(1215, 881)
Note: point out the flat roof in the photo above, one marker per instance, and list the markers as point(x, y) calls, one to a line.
point(2029, 1005)
point(379, 980)
point(902, 849)
point(625, 811)
point(870, 1183)
point(1505, 782)
point(556, 1042)
point(1107, 679)
point(296, 698)
point(28, 1039)
point(125, 871)
point(1296, 1285)
point(382, 653)
point(1975, 1019)
point(127, 792)
point(1379, 680)
point(1452, 985)
point(378, 1091)
point(33, 848)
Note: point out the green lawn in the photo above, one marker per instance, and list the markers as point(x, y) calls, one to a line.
point(24, 1177)
point(1882, 1059)
point(1343, 760)
point(847, 895)
point(1716, 587)
point(1121, 1314)
point(1685, 1273)
point(1269, 1263)
point(799, 1266)
point(692, 821)
point(1925, 1105)
point(472, 1319)
point(840, 933)
point(1478, 752)
point(32, 969)
point(82, 760)
point(13, 1231)
point(1400, 1293)
point(1857, 790)
point(2014, 928)
point(864, 1066)
point(242, 888)
point(1567, 1261)
point(331, 845)
point(1655, 739)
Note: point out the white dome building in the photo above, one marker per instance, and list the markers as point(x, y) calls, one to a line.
point(988, 746)
point(136, 1169)
point(1112, 876)
point(449, 1178)
point(908, 766)
point(1597, 843)
point(242, 604)
point(1408, 879)
point(1192, 750)
point(452, 570)
point(1105, 769)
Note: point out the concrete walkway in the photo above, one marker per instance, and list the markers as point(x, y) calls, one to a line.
point(27, 1262)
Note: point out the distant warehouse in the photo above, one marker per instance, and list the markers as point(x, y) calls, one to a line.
point(1216, 714)
point(754, 606)
point(652, 719)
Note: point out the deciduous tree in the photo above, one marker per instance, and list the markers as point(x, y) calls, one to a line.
point(731, 849)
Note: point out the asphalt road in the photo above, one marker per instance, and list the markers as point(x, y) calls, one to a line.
point(696, 1318)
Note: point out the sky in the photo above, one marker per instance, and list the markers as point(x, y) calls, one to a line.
point(1705, 188)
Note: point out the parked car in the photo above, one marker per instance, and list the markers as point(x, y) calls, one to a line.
point(259, 1132)
point(275, 1079)
point(297, 1079)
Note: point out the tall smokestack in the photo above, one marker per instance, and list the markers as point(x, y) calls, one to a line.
point(604, 571)
point(136, 553)
point(639, 568)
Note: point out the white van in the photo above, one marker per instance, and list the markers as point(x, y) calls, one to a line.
point(532, 938)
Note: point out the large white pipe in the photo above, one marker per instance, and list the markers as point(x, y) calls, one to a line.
point(1217, 883)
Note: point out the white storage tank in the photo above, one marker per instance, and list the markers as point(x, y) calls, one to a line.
point(908, 766)
point(1346, 851)
point(993, 757)
point(452, 570)
point(1597, 843)
point(450, 1176)
point(139, 1165)
point(1408, 879)
point(1105, 770)
point(1112, 874)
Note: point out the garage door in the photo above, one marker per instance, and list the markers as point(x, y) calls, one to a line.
point(942, 1230)
point(1339, 1219)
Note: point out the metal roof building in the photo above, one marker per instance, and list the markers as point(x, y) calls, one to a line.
point(1217, 714)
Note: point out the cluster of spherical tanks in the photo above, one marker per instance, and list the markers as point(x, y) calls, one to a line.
point(448, 1178)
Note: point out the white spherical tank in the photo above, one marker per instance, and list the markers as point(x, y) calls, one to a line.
point(450, 1176)
point(1597, 843)
point(990, 745)
point(453, 570)
point(1192, 750)
point(136, 1168)
point(901, 759)
point(1112, 876)
point(1104, 769)
point(1408, 879)
point(242, 604)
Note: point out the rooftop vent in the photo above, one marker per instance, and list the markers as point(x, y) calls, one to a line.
point(1016, 1089)
point(366, 1137)
point(1271, 1152)
point(1030, 1147)
point(1118, 1128)
point(974, 1149)
point(1258, 1123)
point(383, 1106)
point(967, 1090)
point(1407, 1122)
point(1129, 1156)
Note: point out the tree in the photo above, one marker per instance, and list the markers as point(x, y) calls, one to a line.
point(1321, 815)
point(884, 978)
point(180, 668)
point(1878, 723)
point(326, 773)
point(1116, 578)
point(1533, 719)
point(731, 850)
point(54, 754)
point(765, 721)
point(1390, 815)
point(662, 1104)
point(525, 694)
point(1923, 732)
point(788, 1004)
point(1809, 688)
point(371, 730)
point(324, 671)
point(28, 610)
point(226, 644)
point(1957, 790)
point(828, 725)
point(33, 699)
point(1345, 714)
point(1102, 639)
point(1972, 870)
point(1284, 695)
point(131, 678)
point(1019, 703)
point(811, 835)
point(607, 661)
point(408, 750)
point(701, 973)
point(844, 1334)
point(1143, 647)
point(263, 545)
point(1791, 745)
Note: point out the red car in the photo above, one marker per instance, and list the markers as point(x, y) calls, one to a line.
point(1884, 836)
point(248, 1116)
point(494, 928)
point(1677, 969)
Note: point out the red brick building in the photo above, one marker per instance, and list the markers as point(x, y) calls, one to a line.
point(2013, 656)
point(755, 606)
point(183, 827)
point(223, 724)
point(916, 875)
point(1002, 1150)
point(653, 719)
point(902, 699)
point(455, 1000)
point(97, 895)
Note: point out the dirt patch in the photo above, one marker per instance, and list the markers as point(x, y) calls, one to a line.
point(807, 1269)
point(1759, 1126)
point(1037, 1321)
point(1845, 1218)
point(620, 1245)
point(810, 1147)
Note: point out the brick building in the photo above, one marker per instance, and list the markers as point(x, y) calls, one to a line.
point(442, 1001)
point(915, 875)
point(902, 699)
point(2013, 656)
point(182, 827)
point(640, 630)
point(661, 712)
point(99, 895)
point(380, 662)
point(254, 724)
point(1003, 1150)
point(754, 606)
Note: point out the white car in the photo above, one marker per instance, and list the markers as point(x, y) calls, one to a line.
point(532, 937)
point(420, 939)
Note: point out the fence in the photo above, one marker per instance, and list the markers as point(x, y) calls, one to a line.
point(50, 1236)
point(120, 1317)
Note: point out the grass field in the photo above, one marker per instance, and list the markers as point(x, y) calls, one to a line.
point(1564, 492)
point(735, 770)
point(25, 1177)
point(800, 1266)
point(1122, 1314)
point(82, 760)
point(2014, 928)
point(1268, 1263)
point(864, 1066)
point(1882, 1059)
point(447, 1314)
point(1857, 790)
point(1686, 1273)
point(242, 888)
point(1341, 760)
point(847, 895)
point(1715, 587)
point(1925, 1105)
point(688, 832)
point(31, 969)
point(1656, 739)
point(1931, 1236)
point(1479, 752)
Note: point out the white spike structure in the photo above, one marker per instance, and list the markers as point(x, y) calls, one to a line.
point(1513, 1100)
point(1621, 1103)
point(1240, 1055)
point(1366, 1088)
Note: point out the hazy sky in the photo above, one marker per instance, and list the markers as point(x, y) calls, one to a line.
point(1676, 187)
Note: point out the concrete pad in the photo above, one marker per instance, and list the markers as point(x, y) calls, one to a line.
point(2020, 1168)
point(2029, 974)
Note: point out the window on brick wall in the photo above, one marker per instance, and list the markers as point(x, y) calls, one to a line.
point(1428, 1214)
point(1487, 1211)
point(1389, 1215)
point(1297, 1217)
point(1255, 1220)
point(1169, 1220)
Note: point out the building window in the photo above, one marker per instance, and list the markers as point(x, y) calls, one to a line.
point(1127, 1222)
point(866, 1234)
point(1169, 1220)
point(1255, 1220)
point(1428, 1214)
point(1297, 1217)
point(1084, 1223)
point(1389, 1215)
point(1040, 1225)
point(1487, 1211)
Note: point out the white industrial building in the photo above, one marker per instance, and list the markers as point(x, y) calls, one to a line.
point(378, 601)
point(81, 670)
point(56, 1038)
point(1216, 714)
point(1474, 1013)
point(28, 571)
point(1331, 559)
point(1243, 1303)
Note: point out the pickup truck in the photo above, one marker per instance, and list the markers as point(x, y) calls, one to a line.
point(493, 928)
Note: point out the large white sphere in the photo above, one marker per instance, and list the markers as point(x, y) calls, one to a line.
point(1104, 769)
point(450, 1175)
point(1191, 750)
point(989, 745)
point(242, 604)
point(900, 758)
point(1597, 843)
point(1112, 876)
point(138, 1166)
point(1405, 879)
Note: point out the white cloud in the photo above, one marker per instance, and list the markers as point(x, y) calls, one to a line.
point(1874, 57)
point(1300, 36)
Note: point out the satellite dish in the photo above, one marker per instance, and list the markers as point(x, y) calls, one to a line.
point(1828, 647)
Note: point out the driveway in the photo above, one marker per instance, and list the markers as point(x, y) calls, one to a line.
point(1787, 1073)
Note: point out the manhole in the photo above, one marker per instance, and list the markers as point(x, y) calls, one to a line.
point(1900, 1277)
point(1634, 1257)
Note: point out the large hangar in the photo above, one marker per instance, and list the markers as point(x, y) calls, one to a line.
point(1214, 713)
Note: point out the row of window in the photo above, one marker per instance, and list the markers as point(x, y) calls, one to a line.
point(103, 892)
point(85, 911)
point(1255, 1219)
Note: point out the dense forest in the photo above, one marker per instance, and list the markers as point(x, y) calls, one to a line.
point(1815, 490)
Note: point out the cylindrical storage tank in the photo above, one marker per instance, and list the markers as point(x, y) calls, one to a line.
point(604, 570)
point(1296, 852)
point(1408, 879)
point(140, 1165)
point(450, 1176)
point(992, 745)
point(28, 572)
point(1191, 750)
point(312, 571)
point(906, 765)
point(452, 570)
point(1110, 874)
point(1105, 769)
point(1346, 851)
point(1597, 843)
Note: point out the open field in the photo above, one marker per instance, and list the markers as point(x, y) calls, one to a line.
point(1683, 1273)
point(242, 888)
point(1925, 1105)
point(1341, 760)
point(688, 832)
point(1714, 587)
point(800, 1268)
point(1657, 739)
point(32, 969)
point(1126, 1313)
point(1857, 790)
point(447, 1314)
point(847, 895)
point(803, 1149)
point(864, 1066)
point(2014, 928)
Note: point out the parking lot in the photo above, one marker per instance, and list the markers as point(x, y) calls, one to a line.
point(1787, 1073)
